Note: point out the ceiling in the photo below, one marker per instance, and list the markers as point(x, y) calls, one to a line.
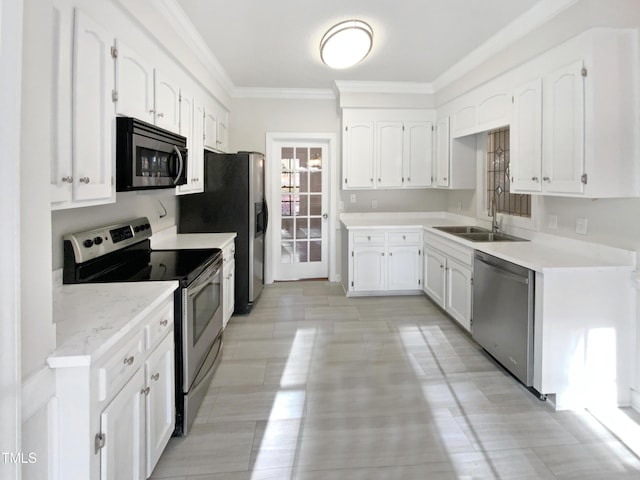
point(274, 43)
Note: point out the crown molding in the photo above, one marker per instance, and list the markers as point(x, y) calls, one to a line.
point(284, 93)
point(412, 88)
point(173, 12)
point(538, 15)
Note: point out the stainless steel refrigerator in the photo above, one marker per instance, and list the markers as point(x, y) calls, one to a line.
point(233, 201)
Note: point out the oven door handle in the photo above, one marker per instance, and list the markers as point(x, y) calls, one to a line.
point(181, 167)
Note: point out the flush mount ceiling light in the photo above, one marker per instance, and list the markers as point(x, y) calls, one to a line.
point(346, 44)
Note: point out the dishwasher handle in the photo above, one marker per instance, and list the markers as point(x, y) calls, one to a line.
point(506, 274)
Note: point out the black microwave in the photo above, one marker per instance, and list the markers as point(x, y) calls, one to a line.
point(148, 157)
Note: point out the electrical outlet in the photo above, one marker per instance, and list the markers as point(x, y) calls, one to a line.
point(581, 226)
point(374, 204)
point(552, 222)
point(353, 198)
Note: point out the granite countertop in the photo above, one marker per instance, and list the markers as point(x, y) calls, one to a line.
point(169, 239)
point(93, 317)
point(541, 253)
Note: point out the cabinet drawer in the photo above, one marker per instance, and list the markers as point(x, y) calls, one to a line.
point(159, 323)
point(120, 366)
point(402, 238)
point(368, 238)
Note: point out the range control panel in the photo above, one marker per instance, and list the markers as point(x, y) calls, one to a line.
point(100, 241)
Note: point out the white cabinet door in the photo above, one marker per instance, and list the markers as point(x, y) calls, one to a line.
point(134, 84)
point(404, 268)
point(388, 154)
point(442, 152)
point(434, 275)
point(167, 103)
point(210, 128)
point(160, 401)
point(369, 269)
point(189, 123)
point(229, 291)
point(458, 296)
point(223, 135)
point(93, 111)
point(526, 138)
point(62, 59)
point(418, 154)
point(122, 425)
point(357, 155)
point(563, 134)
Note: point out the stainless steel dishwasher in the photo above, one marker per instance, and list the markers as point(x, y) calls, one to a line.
point(502, 321)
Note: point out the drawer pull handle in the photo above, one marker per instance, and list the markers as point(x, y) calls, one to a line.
point(164, 323)
point(145, 391)
point(129, 360)
point(155, 376)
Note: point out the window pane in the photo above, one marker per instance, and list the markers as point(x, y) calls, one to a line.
point(286, 252)
point(315, 251)
point(315, 162)
point(316, 181)
point(287, 228)
point(315, 204)
point(302, 228)
point(303, 155)
point(286, 205)
point(315, 228)
point(304, 206)
point(301, 254)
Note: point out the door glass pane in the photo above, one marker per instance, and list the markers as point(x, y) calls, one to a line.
point(302, 224)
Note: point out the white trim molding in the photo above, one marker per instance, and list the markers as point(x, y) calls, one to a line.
point(284, 93)
point(412, 88)
point(537, 16)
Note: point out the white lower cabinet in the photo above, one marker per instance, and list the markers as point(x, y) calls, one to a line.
point(448, 277)
point(385, 261)
point(229, 281)
point(119, 408)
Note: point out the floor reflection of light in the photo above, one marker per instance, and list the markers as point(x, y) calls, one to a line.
point(621, 425)
point(280, 440)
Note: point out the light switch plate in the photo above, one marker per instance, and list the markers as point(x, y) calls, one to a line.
point(353, 198)
point(581, 226)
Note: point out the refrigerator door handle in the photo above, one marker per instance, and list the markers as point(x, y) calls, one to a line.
point(266, 215)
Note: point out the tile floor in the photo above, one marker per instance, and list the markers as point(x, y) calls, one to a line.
point(314, 385)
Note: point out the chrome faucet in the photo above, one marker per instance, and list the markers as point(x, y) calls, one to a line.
point(495, 225)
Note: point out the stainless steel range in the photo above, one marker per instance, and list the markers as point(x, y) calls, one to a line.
point(122, 253)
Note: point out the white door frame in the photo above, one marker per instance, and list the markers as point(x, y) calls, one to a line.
point(11, 20)
point(272, 247)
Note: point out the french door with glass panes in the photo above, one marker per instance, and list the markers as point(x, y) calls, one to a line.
point(302, 217)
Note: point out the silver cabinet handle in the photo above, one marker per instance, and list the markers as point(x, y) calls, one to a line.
point(371, 180)
point(155, 376)
point(391, 254)
point(535, 179)
point(404, 237)
point(383, 254)
point(66, 179)
point(444, 178)
point(408, 179)
point(546, 179)
point(164, 323)
point(84, 180)
point(160, 115)
point(129, 360)
point(145, 391)
point(369, 238)
point(379, 180)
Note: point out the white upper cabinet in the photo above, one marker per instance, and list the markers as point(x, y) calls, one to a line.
point(441, 146)
point(583, 144)
point(417, 166)
point(82, 162)
point(210, 128)
point(357, 155)
point(191, 125)
point(135, 83)
point(167, 102)
point(563, 134)
point(526, 137)
point(387, 148)
point(388, 154)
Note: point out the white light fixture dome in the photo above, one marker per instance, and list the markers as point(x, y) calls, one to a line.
point(346, 44)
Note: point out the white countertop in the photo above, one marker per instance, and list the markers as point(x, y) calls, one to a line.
point(169, 239)
point(541, 253)
point(91, 318)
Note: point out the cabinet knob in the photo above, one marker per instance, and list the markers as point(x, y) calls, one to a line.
point(160, 115)
point(371, 180)
point(129, 360)
point(152, 111)
point(85, 180)
point(383, 254)
point(441, 266)
point(369, 238)
point(546, 179)
point(404, 237)
point(444, 178)
point(66, 179)
point(164, 323)
point(155, 376)
point(145, 391)
point(408, 179)
point(390, 254)
point(535, 179)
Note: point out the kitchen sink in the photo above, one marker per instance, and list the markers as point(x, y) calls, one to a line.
point(489, 237)
point(455, 229)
